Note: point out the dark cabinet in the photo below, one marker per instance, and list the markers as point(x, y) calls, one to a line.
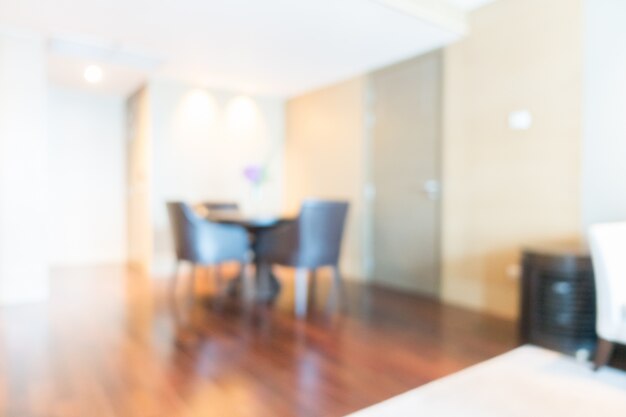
point(558, 307)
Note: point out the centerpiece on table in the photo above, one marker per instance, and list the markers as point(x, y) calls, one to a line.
point(256, 176)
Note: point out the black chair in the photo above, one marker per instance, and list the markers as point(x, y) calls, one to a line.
point(202, 242)
point(310, 242)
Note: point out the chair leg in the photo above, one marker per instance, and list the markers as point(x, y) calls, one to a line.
point(174, 281)
point(301, 287)
point(312, 296)
point(603, 353)
point(337, 295)
point(246, 280)
point(263, 281)
point(219, 281)
point(192, 282)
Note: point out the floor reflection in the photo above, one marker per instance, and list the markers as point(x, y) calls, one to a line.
point(114, 342)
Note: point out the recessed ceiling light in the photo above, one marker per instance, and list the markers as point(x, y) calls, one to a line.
point(93, 74)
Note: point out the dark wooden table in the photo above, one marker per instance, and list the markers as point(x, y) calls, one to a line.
point(254, 225)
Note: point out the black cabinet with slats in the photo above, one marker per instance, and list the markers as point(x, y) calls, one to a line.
point(558, 309)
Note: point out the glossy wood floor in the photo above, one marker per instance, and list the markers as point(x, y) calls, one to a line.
point(109, 343)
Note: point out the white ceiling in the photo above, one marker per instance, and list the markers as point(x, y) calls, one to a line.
point(277, 47)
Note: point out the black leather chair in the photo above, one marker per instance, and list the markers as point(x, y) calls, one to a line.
point(310, 242)
point(202, 242)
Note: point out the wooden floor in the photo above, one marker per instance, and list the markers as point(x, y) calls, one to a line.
point(109, 343)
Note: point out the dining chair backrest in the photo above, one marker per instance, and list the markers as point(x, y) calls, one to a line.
point(182, 219)
point(608, 251)
point(320, 231)
point(203, 241)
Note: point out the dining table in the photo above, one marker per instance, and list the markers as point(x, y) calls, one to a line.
point(255, 225)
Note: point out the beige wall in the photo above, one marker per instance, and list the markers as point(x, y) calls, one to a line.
point(325, 157)
point(505, 188)
point(139, 214)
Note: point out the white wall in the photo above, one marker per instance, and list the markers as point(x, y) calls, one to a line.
point(87, 178)
point(201, 141)
point(23, 157)
point(604, 144)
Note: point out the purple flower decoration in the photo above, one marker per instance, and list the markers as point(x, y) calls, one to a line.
point(255, 174)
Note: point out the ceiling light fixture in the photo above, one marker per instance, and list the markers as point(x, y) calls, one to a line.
point(93, 74)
